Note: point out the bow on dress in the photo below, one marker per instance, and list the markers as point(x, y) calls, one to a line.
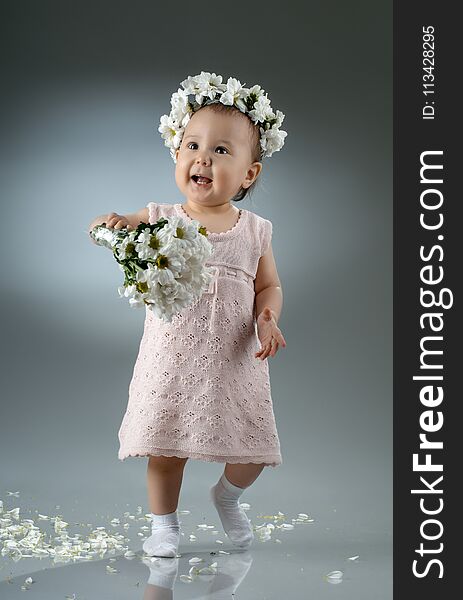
point(213, 290)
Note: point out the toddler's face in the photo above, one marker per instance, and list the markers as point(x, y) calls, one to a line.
point(217, 145)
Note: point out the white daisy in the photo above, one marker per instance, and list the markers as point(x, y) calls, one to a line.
point(261, 110)
point(234, 94)
point(272, 140)
point(126, 247)
point(169, 131)
point(148, 244)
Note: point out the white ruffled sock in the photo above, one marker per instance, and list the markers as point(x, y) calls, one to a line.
point(235, 522)
point(165, 536)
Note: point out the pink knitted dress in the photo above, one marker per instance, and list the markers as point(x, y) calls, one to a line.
point(197, 389)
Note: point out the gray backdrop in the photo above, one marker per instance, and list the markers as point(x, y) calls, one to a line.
point(85, 84)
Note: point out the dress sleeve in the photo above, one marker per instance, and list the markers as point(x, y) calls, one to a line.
point(266, 236)
point(151, 206)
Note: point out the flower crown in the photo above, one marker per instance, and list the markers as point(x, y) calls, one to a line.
point(208, 88)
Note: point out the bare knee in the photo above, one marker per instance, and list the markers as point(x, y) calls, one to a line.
point(166, 463)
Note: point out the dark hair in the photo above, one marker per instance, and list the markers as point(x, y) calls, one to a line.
point(254, 139)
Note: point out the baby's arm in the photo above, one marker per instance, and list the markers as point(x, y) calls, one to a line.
point(117, 221)
point(268, 303)
point(267, 285)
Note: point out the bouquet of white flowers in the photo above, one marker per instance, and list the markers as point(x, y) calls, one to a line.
point(163, 263)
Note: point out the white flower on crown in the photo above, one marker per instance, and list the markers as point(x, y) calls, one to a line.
point(207, 88)
point(180, 105)
point(272, 140)
point(169, 130)
point(279, 119)
point(205, 85)
point(234, 94)
point(262, 110)
point(256, 91)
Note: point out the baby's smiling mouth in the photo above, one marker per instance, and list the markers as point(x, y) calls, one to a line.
point(201, 180)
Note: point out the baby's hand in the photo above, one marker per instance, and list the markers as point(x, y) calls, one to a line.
point(117, 221)
point(269, 334)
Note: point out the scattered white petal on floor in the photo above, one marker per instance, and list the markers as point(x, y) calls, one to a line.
point(334, 577)
point(28, 538)
point(110, 569)
point(210, 570)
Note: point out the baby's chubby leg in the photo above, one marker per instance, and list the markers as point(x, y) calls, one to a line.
point(164, 479)
point(225, 495)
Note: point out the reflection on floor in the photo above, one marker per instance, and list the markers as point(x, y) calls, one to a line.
point(292, 557)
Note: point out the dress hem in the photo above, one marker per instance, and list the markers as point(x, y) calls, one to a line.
point(271, 461)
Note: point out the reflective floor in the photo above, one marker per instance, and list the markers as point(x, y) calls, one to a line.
point(294, 556)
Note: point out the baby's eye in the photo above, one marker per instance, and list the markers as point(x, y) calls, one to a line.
point(195, 144)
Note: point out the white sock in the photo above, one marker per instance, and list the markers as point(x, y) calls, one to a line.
point(163, 573)
point(235, 522)
point(165, 536)
point(232, 570)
